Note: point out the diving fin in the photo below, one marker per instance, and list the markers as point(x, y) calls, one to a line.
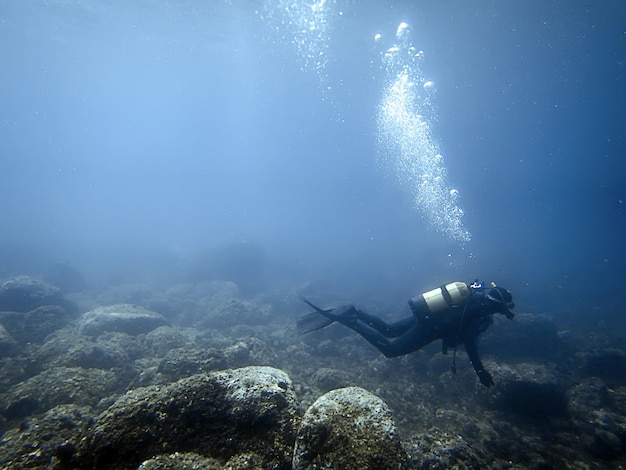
point(314, 321)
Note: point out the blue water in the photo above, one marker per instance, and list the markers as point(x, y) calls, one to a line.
point(136, 133)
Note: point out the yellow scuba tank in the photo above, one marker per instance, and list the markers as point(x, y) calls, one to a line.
point(439, 299)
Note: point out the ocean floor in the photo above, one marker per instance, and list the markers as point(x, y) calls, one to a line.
point(203, 375)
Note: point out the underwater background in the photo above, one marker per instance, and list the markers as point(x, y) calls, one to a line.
point(136, 132)
point(354, 151)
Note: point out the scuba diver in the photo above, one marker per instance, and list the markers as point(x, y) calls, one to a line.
point(456, 313)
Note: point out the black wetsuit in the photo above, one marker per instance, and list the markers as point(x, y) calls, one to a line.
point(454, 326)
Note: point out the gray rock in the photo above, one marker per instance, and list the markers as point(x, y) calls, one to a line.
point(219, 415)
point(46, 442)
point(181, 362)
point(439, 450)
point(328, 379)
point(609, 364)
point(65, 348)
point(527, 390)
point(123, 318)
point(165, 338)
point(35, 325)
point(59, 385)
point(596, 412)
point(348, 428)
point(181, 461)
point(511, 340)
point(586, 396)
point(8, 345)
point(23, 293)
point(224, 312)
point(191, 461)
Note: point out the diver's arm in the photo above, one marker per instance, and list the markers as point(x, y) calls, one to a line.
point(471, 346)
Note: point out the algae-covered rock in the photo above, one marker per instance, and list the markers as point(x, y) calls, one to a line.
point(123, 318)
point(59, 385)
point(348, 428)
point(438, 450)
point(47, 441)
point(181, 461)
point(23, 293)
point(527, 390)
point(8, 345)
point(219, 415)
point(35, 325)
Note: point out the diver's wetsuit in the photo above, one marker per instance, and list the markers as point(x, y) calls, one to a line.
point(415, 332)
point(457, 324)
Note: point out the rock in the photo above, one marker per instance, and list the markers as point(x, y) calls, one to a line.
point(606, 445)
point(511, 340)
point(348, 428)
point(527, 390)
point(328, 379)
point(603, 433)
point(438, 450)
point(224, 313)
point(23, 293)
point(191, 461)
point(219, 415)
point(595, 411)
point(181, 461)
point(8, 345)
point(181, 362)
point(165, 338)
point(36, 325)
point(56, 386)
point(66, 349)
point(251, 351)
point(607, 364)
point(124, 318)
point(591, 394)
point(46, 442)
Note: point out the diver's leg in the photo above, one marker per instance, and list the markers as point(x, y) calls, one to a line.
point(348, 315)
point(412, 340)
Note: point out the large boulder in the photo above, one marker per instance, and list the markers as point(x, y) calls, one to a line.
point(47, 441)
point(56, 386)
point(348, 428)
point(23, 294)
point(8, 345)
point(528, 337)
point(439, 450)
point(597, 412)
point(220, 415)
point(181, 461)
point(609, 364)
point(122, 318)
point(528, 391)
point(35, 325)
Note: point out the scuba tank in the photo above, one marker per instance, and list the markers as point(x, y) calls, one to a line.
point(440, 299)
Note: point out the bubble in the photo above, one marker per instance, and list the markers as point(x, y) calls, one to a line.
point(306, 24)
point(402, 31)
point(407, 143)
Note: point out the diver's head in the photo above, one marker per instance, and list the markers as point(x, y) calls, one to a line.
point(501, 301)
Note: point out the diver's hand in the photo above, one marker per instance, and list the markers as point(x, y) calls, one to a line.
point(485, 377)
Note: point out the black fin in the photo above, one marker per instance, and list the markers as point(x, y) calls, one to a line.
point(315, 307)
point(312, 322)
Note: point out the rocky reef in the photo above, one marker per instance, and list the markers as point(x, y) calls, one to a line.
point(197, 376)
